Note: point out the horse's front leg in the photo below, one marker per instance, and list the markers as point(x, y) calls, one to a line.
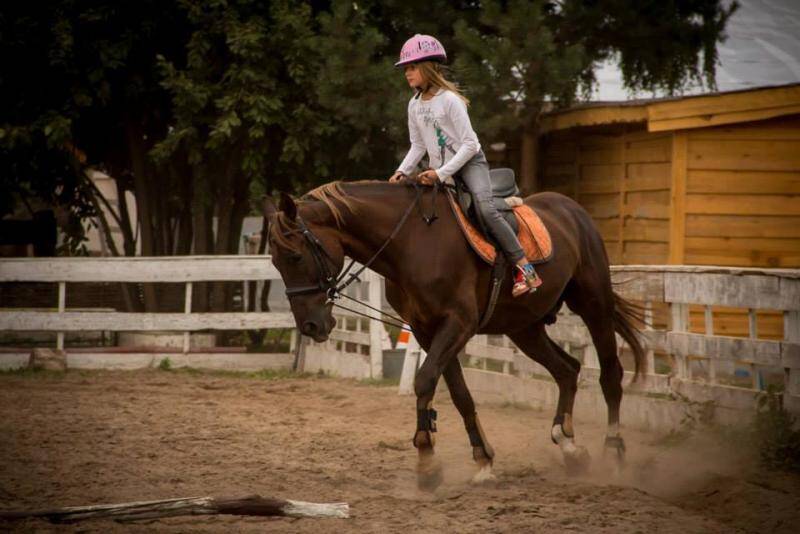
point(451, 336)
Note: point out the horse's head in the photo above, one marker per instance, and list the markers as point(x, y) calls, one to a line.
point(308, 257)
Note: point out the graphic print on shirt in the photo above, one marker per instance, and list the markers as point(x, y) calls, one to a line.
point(430, 120)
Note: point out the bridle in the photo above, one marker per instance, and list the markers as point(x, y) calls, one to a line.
point(331, 285)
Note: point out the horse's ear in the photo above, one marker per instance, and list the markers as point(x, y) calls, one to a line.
point(288, 207)
point(268, 207)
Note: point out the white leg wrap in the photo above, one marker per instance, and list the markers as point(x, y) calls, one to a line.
point(566, 443)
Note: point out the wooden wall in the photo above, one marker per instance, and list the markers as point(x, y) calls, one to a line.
point(728, 195)
point(742, 205)
point(622, 178)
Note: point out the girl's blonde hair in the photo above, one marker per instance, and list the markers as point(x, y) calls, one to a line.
point(432, 72)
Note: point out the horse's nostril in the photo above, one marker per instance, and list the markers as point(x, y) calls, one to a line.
point(309, 328)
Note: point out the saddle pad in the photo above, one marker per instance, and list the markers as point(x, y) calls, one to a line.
point(533, 235)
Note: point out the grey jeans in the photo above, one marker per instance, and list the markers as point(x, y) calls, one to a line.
point(475, 174)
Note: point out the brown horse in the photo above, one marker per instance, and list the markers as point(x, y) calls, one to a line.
point(440, 287)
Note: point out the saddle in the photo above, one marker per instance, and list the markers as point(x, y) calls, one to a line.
point(531, 231)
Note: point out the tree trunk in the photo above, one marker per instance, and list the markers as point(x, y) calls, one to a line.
point(529, 159)
point(144, 207)
point(203, 231)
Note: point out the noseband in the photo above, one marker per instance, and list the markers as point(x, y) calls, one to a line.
point(326, 280)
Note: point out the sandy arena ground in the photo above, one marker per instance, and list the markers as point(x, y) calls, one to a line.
point(100, 437)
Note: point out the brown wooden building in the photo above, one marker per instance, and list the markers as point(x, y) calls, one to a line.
point(704, 180)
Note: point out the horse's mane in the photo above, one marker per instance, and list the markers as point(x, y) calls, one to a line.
point(334, 196)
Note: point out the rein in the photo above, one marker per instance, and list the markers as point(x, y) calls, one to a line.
point(333, 286)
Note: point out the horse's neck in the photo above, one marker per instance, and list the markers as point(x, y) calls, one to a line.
point(379, 209)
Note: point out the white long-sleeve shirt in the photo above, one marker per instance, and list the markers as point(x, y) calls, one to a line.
point(441, 127)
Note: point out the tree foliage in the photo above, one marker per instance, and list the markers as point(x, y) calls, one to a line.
point(199, 106)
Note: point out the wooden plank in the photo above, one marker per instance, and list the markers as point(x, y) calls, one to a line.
point(648, 176)
point(645, 252)
point(350, 336)
point(648, 151)
point(731, 181)
point(734, 322)
point(639, 286)
point(600, 205)
point(606, 154)
point(755, 351)
point(588, 116)
point(769, 252)
point(743, 205)
point(779, 128)
point(742, 226)
point(740, 291)
point(141, 322)
point(744, 155)
point(788, 274)
point(646, 230)
point(707, 120)
point(623, 156)
point(138, 269)
point(724, 103)
point(608, 228)
point(559, 170)
point(482, 350)
point(648, 204)
point(677, 206)
point(754, 259)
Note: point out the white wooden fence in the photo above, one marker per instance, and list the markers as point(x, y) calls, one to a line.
point(720, 356)
point(355, 346)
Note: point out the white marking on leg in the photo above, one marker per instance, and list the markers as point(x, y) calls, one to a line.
point(566, 443)
point(484, 475)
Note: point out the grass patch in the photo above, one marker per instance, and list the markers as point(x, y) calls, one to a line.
point(263, 374)
point(379, 382)
point(33, 372)
point(165, 364)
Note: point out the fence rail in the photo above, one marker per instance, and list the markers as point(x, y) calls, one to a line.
point(355, 346)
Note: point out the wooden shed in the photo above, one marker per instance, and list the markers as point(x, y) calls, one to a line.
point(705, 180)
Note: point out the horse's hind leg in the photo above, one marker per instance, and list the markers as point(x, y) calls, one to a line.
point(538, 346)
point(598, 315)
point(482, 452)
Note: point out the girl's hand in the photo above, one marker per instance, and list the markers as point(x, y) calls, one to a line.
point(396, 177)
point(428, 177)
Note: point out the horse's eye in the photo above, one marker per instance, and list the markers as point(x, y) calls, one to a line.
point(295, 258)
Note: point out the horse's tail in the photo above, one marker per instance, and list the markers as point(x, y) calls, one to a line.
point(628, 318)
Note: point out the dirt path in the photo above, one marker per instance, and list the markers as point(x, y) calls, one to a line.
point(85, 438)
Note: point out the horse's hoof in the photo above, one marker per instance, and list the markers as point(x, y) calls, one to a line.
point(484, 475)
point(577, 462)
point(430, 474)
point(615, 446)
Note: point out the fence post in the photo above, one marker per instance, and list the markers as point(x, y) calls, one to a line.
point(650, 357)
point(680, 323)
point(712, 362)
point(375, 327)
point(187, 309)
point(791, 334)
point(62, 301)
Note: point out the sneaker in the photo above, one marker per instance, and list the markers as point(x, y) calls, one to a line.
point(526, 280)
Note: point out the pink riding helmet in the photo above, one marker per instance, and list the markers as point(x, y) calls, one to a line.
point(421, 48)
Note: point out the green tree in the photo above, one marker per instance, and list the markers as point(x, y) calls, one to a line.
point(525, 54)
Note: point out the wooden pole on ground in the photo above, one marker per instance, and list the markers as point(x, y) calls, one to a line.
point(253, 505)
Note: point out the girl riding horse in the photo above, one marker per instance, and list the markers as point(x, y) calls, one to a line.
point(438, 123)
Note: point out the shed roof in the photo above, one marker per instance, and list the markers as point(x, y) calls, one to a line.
point(684, 112)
